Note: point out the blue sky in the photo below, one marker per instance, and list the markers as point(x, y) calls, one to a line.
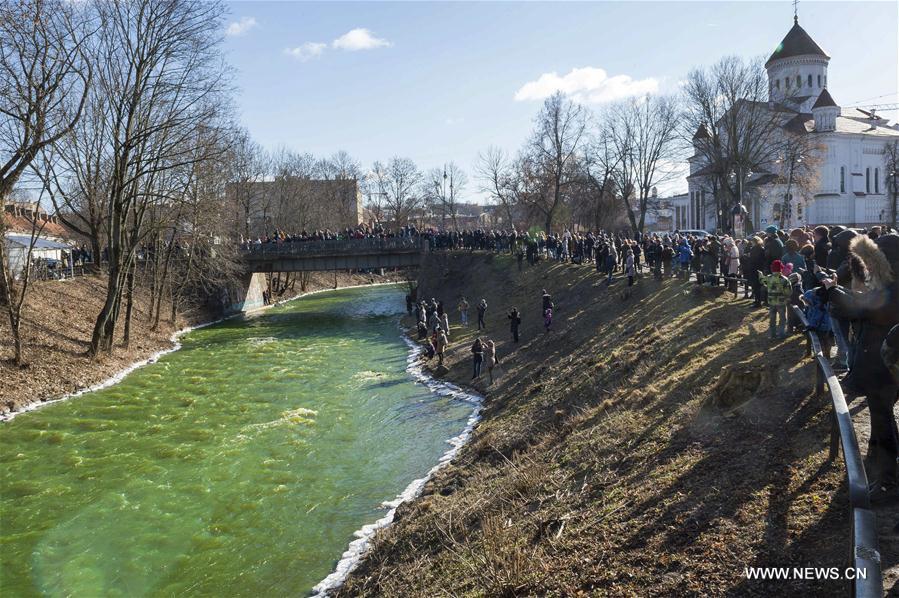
point(437, 81)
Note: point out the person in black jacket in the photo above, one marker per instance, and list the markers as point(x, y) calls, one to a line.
point(756, 264)
point(822, 245)
point(514, 323)
point(774, 247)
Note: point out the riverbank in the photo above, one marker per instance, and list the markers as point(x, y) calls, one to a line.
point(56, 329)
point(656, 443)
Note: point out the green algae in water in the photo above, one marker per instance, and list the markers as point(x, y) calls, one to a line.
point(240, 465)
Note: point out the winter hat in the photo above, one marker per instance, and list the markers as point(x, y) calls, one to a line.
point(777, 266)
point(787, 268)
point(771, 230)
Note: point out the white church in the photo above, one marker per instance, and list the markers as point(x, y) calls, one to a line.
point(851, 179)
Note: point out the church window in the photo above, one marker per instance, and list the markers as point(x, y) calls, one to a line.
point(819, 80)
point(876, 180)
point(787, 81)
point(867, 180)
point(798, 81)
point(842, 179)
point(777, 84)
point(809, 80)
point(825, 80)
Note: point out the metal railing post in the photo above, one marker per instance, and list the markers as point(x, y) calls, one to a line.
point(865, 554)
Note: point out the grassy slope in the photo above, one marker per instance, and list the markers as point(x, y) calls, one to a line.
point(602, 466)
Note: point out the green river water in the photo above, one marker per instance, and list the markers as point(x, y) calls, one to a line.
point(239, 465)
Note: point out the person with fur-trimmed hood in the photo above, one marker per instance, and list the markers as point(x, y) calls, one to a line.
point(873, 301)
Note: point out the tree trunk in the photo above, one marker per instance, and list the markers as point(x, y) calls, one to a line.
point(129, 306)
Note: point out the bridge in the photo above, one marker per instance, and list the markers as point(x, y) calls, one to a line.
point(341, 254)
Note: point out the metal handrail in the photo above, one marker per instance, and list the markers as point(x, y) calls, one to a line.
point(865, 554)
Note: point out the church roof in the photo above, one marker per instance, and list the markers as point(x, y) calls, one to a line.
point(796, 43)
point(701, 133)
point(825, 100)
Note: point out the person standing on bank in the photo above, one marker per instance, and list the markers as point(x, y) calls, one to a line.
point(444, 323)
point(477, 351)
point(514, 323)
point(463, 312)
point(482, 309)
point(440, 344)
point(490, 357)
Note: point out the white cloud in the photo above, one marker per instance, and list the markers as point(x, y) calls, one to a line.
point(307, 51)
point(241, 27)
point(586, 85)
point(359, 39)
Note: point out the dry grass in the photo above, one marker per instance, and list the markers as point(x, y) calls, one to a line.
point(604, 465)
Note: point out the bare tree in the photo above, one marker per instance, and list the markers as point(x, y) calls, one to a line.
point(341, 194)
point(799, 167)
point(162, 78)
point(375, 190)
point(42, 67)
point(401, 186)
point(494, 171)
point(598, 167)
point(743, 132)
point(551, 154)
point(442, 188)
point(643, 132)
point(249, 165)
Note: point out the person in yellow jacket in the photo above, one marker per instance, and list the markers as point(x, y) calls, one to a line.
point(779, 290)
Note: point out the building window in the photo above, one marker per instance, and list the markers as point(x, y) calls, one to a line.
point(876, 180)
point(798, 81)
point(867, 180)
point(825, 80)
point(819, 80)
point(787, 81)
point(777, 84)
point(842, 179)
point(809, 80)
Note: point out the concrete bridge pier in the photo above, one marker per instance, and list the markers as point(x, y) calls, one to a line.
point(246, 295)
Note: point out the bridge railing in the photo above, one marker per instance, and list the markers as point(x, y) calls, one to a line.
point(865, 554)
point(334, 246)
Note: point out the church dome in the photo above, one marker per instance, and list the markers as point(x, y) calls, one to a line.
point(796, 43)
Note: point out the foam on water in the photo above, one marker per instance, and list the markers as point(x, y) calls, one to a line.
point(358, 548)
point(115, 379)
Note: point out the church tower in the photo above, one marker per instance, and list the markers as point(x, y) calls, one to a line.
point(825, 112)
point(797, 70)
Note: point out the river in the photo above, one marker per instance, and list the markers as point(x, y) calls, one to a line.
point(239, 465)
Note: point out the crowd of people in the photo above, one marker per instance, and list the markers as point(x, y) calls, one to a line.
point(843, 280)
